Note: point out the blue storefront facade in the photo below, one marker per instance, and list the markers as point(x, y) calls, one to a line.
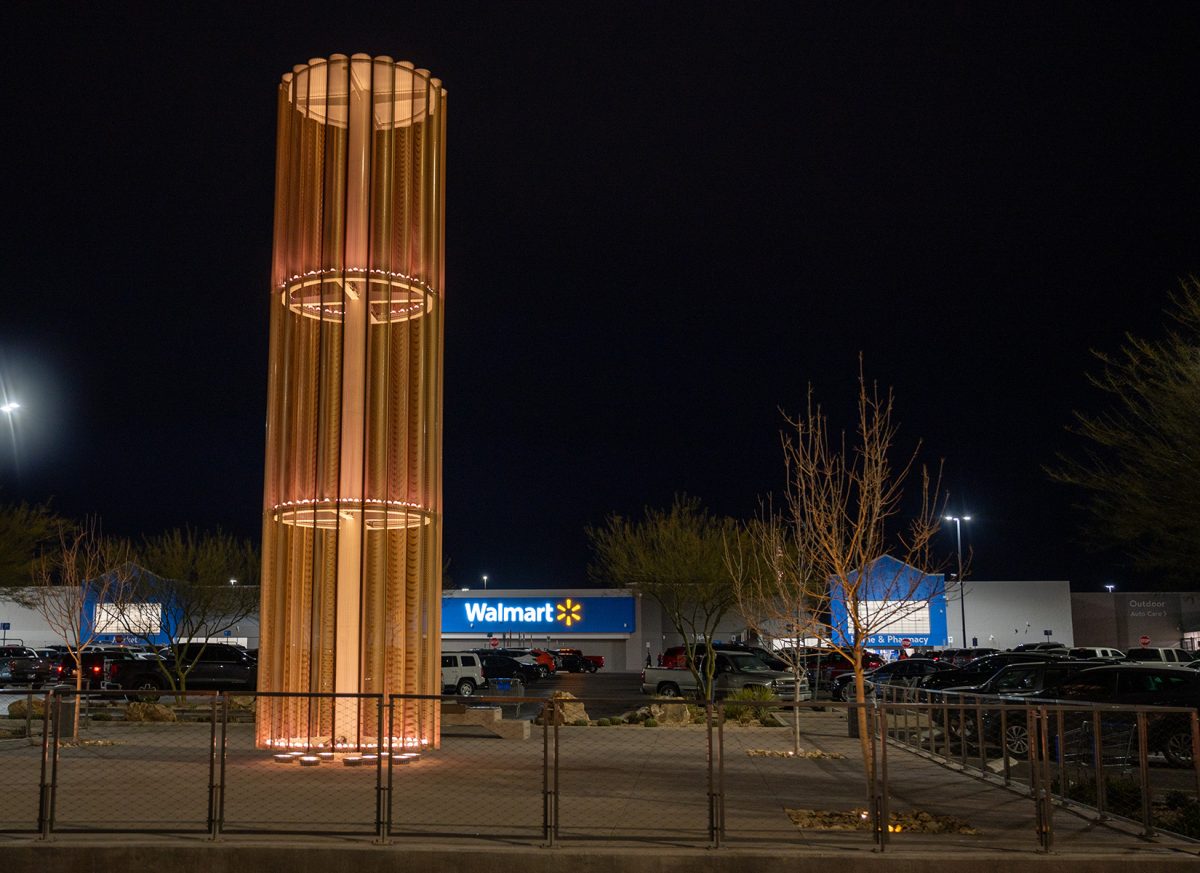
point(898, 602)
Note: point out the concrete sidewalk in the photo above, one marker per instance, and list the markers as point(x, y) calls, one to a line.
point(630, 796)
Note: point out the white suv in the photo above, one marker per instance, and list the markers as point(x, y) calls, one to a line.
point(1166, 656)
point(461, 673)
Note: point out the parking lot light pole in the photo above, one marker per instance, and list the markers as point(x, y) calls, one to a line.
point(962, 591)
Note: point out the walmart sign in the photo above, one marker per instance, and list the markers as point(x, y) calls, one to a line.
point(556, 616)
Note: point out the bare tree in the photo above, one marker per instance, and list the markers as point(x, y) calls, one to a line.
point(825, 558)
point(75, 585)
point(777, 589)
point(676, 558)
point(203, 584)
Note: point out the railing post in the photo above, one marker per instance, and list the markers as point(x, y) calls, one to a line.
point(214, 828)
point(885, 815)
point(55, 737)
point(1144, 774)
point(550, 714)
point(710, 761)
point(383, 781)
point(1098, 764)
point(44, 789)
point(555, 797)
point(1195, 717)
point(721, 776)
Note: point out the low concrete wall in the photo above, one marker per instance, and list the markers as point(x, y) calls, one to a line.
point(231, 857)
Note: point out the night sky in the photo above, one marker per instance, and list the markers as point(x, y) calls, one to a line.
point(664, 221)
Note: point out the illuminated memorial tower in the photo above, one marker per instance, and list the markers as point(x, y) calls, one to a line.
point(352, 554)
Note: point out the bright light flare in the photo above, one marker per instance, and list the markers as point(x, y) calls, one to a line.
point(10, 407)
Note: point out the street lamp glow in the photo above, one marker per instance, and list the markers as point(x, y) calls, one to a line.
point(10, 407)
point(485, 581)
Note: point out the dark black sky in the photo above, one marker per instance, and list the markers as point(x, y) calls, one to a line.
point(664, 220)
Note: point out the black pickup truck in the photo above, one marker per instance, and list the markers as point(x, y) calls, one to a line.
point(24, 668)
point(217, 667)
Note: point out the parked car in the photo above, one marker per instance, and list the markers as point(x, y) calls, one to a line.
point(504, 667)
point(216, 667)
point(733, 672)
point(1037, 647)
point(462, 673)
point(1163, 656)
point(569, 663)
point(593, 662)
point(25, 667)
point(906, 673)
point(1017, 679)
point(981, 669)
point(1130, 684)
point(95, 666)
point(1096, 652)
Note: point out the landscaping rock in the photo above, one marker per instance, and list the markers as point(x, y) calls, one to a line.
point(666, 713)
point(20, 708)
point(570, 710)
point(149, 712)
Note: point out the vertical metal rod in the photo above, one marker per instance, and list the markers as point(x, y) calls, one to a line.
point(56, 736)
point(1047, 797)
point(1098, 764)
point(391, 732)
point(382, 779)
point(944, 709)
point(709, 760)
point(1004, 744)
point(551, 711)
point(223, 753)
point(554, 808)
point(962, 733)
point(884, 811)
point(1144, 775)
point(212, 770)
point(1059, 741)
point(1036, 730)
point(29, 714)
point(44, 783)
point(721, 776)
point(979, 738)
point(1196, 750)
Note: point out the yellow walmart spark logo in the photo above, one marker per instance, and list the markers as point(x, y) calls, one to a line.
point(568, 612)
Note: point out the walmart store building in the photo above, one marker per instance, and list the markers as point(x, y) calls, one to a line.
point(612, 622)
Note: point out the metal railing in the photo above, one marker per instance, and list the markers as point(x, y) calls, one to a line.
point(660, 771)
point(1062, 755)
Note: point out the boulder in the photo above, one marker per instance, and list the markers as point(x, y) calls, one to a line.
point(20, 708)
point(570, 710)
point(673, 713)
point(149, 712)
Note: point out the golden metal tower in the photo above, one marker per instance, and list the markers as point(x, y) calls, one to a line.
point(352, 555)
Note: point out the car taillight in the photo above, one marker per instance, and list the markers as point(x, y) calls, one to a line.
point(58, 669)
point(95, 669)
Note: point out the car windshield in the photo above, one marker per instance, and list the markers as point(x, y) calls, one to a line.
point(747, 662)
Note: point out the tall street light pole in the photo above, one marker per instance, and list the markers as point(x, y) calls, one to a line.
point(962, 591)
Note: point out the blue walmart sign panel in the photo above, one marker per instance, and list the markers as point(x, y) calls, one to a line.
point(556, 616)
point(888, 585)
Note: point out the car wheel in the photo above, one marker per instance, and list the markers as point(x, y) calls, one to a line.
point(591, 668)
point(543, 671)
point(1178, 748)
point(845, 693)
point(465, 688)
point(1016, 739)
point(145, 690)
point(668, 689)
